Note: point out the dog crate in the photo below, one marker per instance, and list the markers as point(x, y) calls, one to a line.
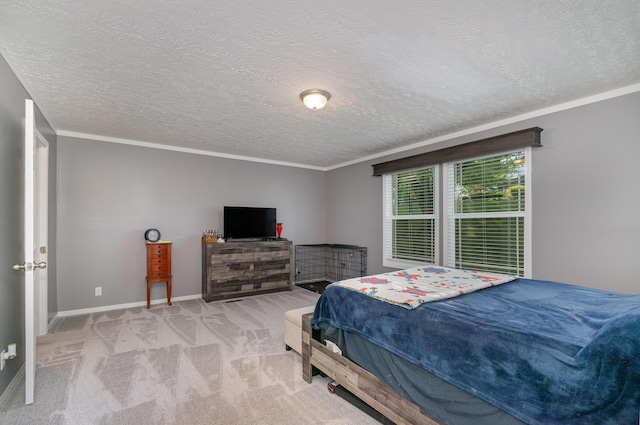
point(329, 263)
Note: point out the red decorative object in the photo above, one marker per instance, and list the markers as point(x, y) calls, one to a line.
point(279, 229)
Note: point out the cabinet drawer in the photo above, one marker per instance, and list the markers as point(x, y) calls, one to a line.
point(156, 261)
point(153, 269)
point(158, 267)
point(161, 256)
point(157, 254)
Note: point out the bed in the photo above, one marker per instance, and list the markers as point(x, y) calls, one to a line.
point(524, 351)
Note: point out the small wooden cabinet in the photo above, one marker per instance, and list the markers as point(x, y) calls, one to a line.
point(236, 269)
point(158, 267)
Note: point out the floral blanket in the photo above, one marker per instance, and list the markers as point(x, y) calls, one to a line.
point(411, 287)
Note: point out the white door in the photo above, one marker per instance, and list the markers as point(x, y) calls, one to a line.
point(29, 266)
point(41, 222)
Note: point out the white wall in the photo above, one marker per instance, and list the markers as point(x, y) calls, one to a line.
point(109, 194)
point(586, 196)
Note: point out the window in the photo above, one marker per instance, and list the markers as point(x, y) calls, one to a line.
point(485, 203)
point(410, 218)
point(486, 213)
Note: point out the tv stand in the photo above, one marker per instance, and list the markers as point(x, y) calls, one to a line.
point(240, 268)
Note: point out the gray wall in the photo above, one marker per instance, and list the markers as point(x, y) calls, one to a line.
point(11, 227)
point(586, 196)
point(109, 194)
point(584, 205)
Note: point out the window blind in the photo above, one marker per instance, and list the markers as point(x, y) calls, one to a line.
point(410, 217)
point(486, 208)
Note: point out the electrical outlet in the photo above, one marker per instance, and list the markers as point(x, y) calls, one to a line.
point(98, 291)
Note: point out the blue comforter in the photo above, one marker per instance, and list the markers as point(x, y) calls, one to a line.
point(545, 352)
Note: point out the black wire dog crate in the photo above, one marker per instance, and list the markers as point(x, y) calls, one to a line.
point(329, 263)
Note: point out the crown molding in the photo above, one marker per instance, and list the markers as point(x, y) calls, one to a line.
point(160, 146)
point(489, 126)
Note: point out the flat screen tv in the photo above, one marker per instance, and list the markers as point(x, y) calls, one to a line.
point(249, 223)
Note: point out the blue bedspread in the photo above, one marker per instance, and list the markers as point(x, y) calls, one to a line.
point(546, 352)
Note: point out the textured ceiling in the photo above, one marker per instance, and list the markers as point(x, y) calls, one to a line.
point(225, 76)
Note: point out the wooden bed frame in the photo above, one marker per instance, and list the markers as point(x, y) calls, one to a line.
point(364, 385)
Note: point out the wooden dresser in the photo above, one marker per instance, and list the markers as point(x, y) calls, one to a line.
point(158, 267)
point(236, 269)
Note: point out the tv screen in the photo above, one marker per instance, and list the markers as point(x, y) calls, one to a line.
point(249, 222)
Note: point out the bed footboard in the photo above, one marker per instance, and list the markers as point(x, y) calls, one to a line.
point(368, 388)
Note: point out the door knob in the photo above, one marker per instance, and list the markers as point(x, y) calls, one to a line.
point(24, 266)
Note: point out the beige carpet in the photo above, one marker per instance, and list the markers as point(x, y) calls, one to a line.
point(191, 363)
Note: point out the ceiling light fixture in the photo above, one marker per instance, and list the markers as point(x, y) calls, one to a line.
point(315, 98)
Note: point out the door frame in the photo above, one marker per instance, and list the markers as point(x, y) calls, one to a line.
point(41, 222)
point(28, 248)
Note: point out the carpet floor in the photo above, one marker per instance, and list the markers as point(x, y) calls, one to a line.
point(191, 363)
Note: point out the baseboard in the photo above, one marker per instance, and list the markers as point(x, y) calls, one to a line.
point(52, 322)
point(122, 306)
point(14, 385)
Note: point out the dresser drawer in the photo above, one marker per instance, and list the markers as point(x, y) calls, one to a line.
point(157, 252)
point(158, 255)
point(239, 268)
point(158, 272)
point(157, 260)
